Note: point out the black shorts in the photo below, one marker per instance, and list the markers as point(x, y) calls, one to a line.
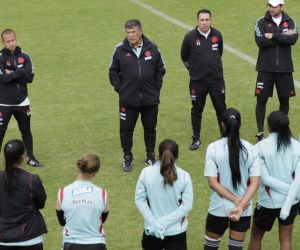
point(174, 242)
point(283, 81)
point(32, 247)
point(71, 246)
point(218, 225)
point(264, 218)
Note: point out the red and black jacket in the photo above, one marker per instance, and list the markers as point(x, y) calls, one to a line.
point(20, 219)
point(202, 57)
point(138, 80)
point(13, 86)
point(275, 54)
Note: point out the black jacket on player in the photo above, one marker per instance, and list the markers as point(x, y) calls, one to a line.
point(20, 219)
point(13, 86)
point(202, 56)
point(138, 80)
point(275, 54)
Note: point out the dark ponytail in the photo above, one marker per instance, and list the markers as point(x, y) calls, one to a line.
point(13, 154)
point(168, 153)
point(279, 123)
point(89, 164)
point(232, 121)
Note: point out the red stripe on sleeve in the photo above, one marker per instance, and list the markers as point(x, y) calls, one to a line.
point(61, 194)
point(104, 196)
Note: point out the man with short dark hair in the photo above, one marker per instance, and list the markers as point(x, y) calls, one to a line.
point(136, 73)
point(201, 53)
point(275, 33)
point(16, 71)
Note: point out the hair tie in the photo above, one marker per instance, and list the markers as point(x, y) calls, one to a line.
point(232, 116)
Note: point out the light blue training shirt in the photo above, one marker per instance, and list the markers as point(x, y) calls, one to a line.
point(83, 204)
point(279, 170)
point(167, 204)
point(217, 165)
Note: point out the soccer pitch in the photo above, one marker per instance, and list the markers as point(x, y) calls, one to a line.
point(75, 110)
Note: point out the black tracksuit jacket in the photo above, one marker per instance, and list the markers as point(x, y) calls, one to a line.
point(202, 56)
point(20, 219)
point(13, 86)
point(275, 54)
point(137, 80)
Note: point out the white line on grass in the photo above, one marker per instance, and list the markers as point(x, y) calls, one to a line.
point(189, 27)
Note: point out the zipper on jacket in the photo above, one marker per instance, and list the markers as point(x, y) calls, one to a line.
point(15, 61)
point(140, 70)
point(140, 77)
point(277, 58)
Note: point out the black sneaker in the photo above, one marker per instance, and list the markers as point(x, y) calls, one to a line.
point(127, 163)
point(195, 144)
point(34, 162)
point(150, 159)
point(259, 136)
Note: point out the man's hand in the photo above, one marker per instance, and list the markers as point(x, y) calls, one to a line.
point(289, 32)
point(8, 71)
point(269, 35)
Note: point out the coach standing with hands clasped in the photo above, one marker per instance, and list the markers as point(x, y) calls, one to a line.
point(274, 34)
point(136, 72)
point(201, 53)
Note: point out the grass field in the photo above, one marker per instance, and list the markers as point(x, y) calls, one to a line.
point(75, 110)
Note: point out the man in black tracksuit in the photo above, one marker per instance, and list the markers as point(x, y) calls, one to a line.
point(16, 71)
point(274, 34)
point(201, 53)
point(136, 72)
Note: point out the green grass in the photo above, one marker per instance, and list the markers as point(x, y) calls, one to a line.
point(75, 110)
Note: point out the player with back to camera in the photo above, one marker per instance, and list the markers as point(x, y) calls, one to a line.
point(234, 179)
point(279, 159)
point(82, 208)
point(22, 195)
point(164, 197)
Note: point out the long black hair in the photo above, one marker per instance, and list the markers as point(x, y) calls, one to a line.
point(278, 122)
point(13, 154)
point(231, 120)
point(168, 153)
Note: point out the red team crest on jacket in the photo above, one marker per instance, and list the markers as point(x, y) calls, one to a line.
point(198, 42)
point(128, 54)
point(147, 53)
point(214, 39)
point(21, 60)
point(285, 25)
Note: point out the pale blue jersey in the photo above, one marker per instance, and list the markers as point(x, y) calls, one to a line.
point(283, 167)
point(167, 204)
point(83, 204)
point(217, 165)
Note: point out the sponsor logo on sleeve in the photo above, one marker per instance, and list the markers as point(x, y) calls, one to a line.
point(214, 39)
point(285, 25)
point(148, 55)
point(21, 60)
